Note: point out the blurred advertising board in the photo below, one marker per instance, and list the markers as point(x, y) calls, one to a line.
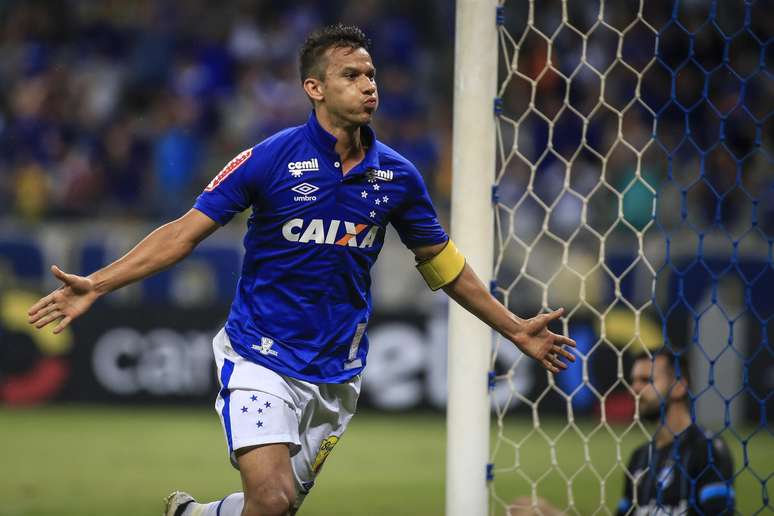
point(150, 343)
point(161, 354)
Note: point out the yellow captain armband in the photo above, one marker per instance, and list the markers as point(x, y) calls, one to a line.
point(443, 268)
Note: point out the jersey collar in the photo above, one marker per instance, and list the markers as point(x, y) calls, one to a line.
point(326, 143)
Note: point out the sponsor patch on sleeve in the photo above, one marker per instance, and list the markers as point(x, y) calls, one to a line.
point(230, 167)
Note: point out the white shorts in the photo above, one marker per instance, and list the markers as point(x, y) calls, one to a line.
point(258, 406)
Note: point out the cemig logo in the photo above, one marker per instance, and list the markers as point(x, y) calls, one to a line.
point(383, 175)
point(296, 230)
point(297, 168)
point(230, 167)
point(305, 189)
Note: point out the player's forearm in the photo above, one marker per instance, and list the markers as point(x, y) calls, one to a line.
point(160, 249)
point(471, 293)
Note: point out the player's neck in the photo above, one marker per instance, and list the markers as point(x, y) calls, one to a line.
point(676, 421)
point(349, 145)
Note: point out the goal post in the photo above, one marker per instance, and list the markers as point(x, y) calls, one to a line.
point(473, 172)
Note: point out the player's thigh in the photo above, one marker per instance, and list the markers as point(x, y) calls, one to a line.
point(267, 474)
point(322, 423)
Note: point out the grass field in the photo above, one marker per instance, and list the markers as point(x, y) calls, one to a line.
point(83, 461)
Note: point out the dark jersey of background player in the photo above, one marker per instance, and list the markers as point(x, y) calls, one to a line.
point(692, 475)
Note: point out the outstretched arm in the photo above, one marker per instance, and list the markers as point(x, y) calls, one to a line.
point(162, 248)
point(531, 336)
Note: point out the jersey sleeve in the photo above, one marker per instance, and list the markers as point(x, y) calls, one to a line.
point(415, 220)
point(625, 503)
point(714, 470)
point(235, 187)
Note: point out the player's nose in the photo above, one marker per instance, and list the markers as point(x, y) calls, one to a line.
point(368, 86)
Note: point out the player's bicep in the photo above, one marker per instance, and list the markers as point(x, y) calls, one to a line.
point(626, 501)
point(416, 220)
point(717, 498)
point(715, 489)
point(195, 226)
point(425, 252)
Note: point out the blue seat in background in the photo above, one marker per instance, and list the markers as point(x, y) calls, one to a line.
point(24, 258)
point(93, 256)
point(223, 262)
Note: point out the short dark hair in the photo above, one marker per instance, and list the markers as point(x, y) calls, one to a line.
point(332, 36)
point(677, 361)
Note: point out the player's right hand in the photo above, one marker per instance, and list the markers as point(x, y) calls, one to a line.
point(61, 306)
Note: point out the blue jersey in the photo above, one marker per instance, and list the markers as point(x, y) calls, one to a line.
point(303, 300)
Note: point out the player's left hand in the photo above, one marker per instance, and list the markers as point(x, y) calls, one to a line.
point(538, 342)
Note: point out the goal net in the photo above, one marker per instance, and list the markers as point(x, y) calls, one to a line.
point(634, 188)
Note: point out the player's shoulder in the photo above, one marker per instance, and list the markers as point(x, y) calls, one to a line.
point(389, 157)
point(399, 165)
point(262, 156)
point(281, 139)
point(641, 455)
point(707, 442)
point(707, 447)
point(704, 446)
point(643, 450)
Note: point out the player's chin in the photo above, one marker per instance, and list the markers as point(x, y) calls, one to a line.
point(359, 117)
point(367, 115)
point(369, 109)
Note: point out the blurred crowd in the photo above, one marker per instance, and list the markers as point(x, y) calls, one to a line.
point(127, 109)
point(584, 100)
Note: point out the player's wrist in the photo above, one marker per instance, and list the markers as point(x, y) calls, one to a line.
point(514, 328)
point(99, 286)
point(519, 338)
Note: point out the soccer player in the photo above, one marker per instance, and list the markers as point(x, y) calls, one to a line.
point(681, 470)
point(291, 354)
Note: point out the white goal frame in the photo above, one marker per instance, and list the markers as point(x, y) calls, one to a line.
point(472, 227)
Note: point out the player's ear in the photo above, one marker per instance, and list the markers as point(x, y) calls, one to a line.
point(679, 389)
point(314, 89)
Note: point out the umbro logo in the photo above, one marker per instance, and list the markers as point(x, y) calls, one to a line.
point(297, 168)
point(305, 189)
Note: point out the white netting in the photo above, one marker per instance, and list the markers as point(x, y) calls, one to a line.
point(549, 223)
point(594, 112)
